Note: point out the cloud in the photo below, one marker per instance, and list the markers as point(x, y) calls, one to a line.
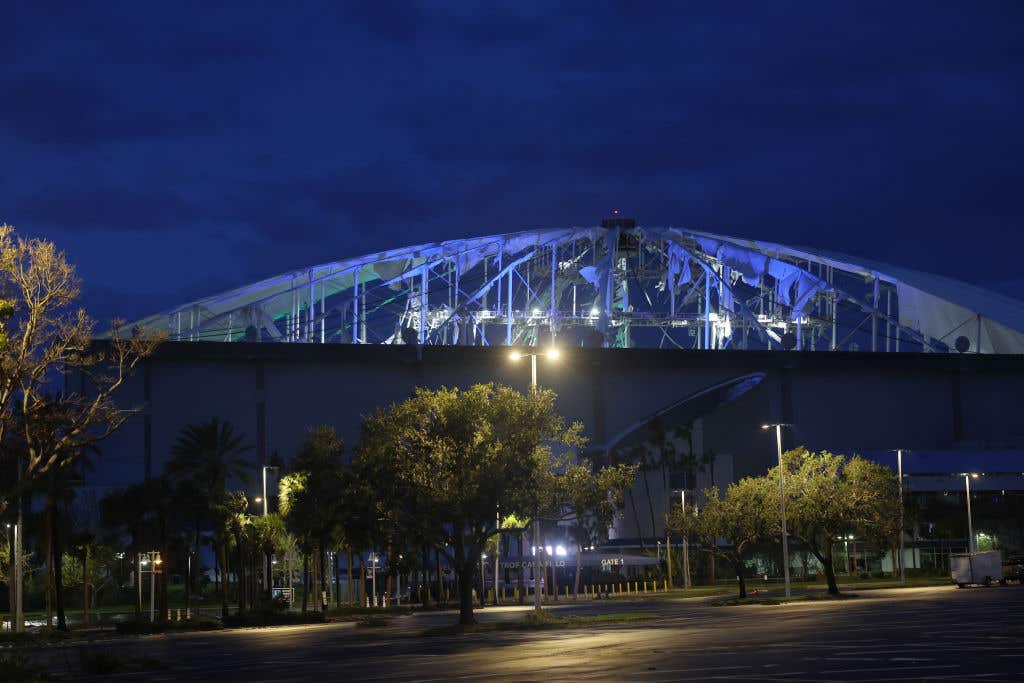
point(90, 207)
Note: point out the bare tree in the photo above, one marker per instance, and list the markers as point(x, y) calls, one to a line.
point(45, 336)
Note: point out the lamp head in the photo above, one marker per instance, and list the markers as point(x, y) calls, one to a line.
point(553, 353)
point(258, 499)
point(514, 356)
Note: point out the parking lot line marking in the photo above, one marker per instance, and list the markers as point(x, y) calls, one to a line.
point(889, 668)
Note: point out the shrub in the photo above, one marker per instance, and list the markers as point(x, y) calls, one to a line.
point(146, 627)
point(271, 617)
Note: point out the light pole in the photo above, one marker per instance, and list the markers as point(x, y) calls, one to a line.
point(153, 560)
point(970, 520)
point(686, 543)
point(15, 575)
point(373, 577)
point(138, 582)
point(553, 354)
point(267, 582)
point(782, 500)
point(483, 580)
point(266, 501)
point(899, 474)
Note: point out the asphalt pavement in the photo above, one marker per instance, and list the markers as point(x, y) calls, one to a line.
point(938, 633)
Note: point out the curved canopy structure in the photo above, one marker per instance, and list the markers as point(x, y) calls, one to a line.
point(617, 285)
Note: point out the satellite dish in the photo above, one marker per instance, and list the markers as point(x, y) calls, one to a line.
point(962, 344)
point(410, 336)
point(789, 341)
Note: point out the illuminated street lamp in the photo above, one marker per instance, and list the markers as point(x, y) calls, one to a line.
point(971, 546)
point(152, 560)
point(373, 577)
point(16, 581)
point(782, 500)
point(266, 501)
point(899, 474)
point(266, 504)
point(551, 353)
point(483, 579)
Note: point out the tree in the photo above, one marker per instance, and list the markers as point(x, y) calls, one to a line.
point(594, 500)
point(453, 457)
point(312, 495)
point(828, 495)
point(747, 515)
point(204, 458)
point(44, 336)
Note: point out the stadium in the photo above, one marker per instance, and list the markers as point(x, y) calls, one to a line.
point(709, 334)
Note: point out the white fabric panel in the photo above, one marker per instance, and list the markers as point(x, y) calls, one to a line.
point(944, 320)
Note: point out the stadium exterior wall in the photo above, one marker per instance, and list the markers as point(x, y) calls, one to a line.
point(840, 401)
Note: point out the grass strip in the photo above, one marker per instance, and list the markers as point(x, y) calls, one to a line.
point(782, 600)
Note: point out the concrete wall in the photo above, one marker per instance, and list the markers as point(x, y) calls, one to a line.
point(844, 402)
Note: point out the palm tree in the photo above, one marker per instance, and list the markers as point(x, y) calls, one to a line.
point(210, 453)
point(204, 458)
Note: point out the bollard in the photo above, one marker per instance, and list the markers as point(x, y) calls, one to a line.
point(188, 613)
point(666, 585)
point(177, 615)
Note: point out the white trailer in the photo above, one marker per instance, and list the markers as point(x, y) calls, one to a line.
point(978, 568)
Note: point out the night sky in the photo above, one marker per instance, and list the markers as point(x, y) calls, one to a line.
point(179, 149)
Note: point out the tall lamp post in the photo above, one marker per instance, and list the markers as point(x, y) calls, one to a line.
point(551, 353)
point(266, 501)
point(970, 521)
point(782, 500)
point(686, 544)
point(152, 559)
point(268, 565)
point(899, 474)
point(17, 617)
point(373, 577)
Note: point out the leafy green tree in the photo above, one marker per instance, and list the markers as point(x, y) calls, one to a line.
point(593, 501)
point(828, 495)
point(876, 502)
point(313, 494)
point(453, 457)
point(746, 516)
point(817, 503)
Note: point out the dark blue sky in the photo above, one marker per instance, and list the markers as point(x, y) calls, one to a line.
point(178, 149)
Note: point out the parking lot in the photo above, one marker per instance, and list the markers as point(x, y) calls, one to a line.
point(938, 633)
